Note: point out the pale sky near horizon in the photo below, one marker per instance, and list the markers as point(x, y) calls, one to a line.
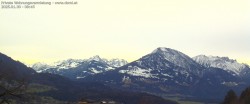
point(127, 29)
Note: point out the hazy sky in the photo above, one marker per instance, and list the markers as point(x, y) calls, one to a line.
point(127, 29)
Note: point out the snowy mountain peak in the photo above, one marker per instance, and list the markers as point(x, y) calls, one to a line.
point(112, 62)
point(40, 66)
point(96, 58)
point(162, 49)
point(66, 64)
point(225, 63)
point(117, 62)
point(175, 57)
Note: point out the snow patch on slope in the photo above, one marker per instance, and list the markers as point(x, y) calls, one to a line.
point(136, 71)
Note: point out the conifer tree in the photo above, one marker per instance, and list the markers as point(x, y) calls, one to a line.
point(230, 98)
point(245, 96)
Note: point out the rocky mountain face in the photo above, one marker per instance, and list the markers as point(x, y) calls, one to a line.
point(78, 68)
point(165, 65)
point(168, 71)
point(229, 65)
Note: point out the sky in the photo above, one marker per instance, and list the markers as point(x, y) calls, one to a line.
point(127, 29)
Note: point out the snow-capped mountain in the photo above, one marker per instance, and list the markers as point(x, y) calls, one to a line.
point(112, 62)
point(175, 57)
point(39, 67)
point(165, 64)
point(229, 65)
point(162, 71)
point(159, 71)
point(116, 62)
point(167, 70)
point(79, 68)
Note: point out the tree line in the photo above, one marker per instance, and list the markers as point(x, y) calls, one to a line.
point(232, 98)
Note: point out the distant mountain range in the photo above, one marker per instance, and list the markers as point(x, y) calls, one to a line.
point(164, 72)
point(49, 88)
point(79, 68)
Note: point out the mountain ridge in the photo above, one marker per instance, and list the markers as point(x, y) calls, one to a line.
point(80, 68)
point(225, 63)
